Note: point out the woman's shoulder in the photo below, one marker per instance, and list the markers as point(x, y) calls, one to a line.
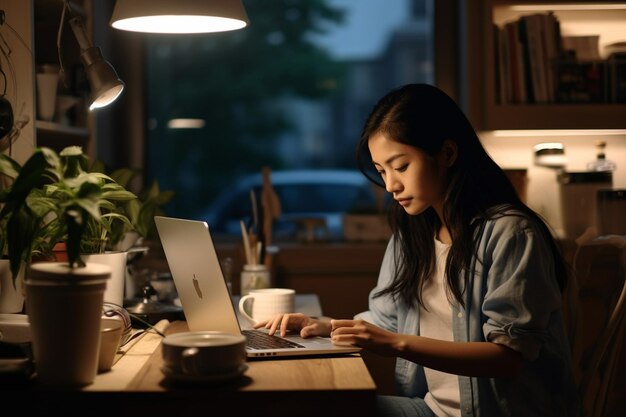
point(509, 219)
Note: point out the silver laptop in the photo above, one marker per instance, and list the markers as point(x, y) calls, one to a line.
point(204, 295)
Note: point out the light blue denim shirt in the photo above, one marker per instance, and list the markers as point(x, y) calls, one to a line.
point(514, 300)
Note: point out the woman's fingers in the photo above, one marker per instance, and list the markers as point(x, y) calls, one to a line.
point(260, 324)
point(347, 326)
point(284, 322)
point(306, 325)
point(349, 332)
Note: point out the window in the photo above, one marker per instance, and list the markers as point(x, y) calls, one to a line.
point(291, 91)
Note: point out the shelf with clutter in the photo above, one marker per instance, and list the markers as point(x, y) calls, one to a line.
point(58, 136)
point(553, 65)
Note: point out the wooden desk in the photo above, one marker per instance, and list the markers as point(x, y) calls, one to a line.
point(135, 386)
point(277, 387)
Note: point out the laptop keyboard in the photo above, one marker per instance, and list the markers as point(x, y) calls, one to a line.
point(260, 340)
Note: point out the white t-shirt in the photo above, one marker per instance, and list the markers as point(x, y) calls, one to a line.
point(443, 395)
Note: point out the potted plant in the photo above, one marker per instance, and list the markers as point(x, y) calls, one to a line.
point(55, 198)
point(137, 237)
point(24, 230)
point(141, 211)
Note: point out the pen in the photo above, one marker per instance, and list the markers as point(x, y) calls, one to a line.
point(246, 242)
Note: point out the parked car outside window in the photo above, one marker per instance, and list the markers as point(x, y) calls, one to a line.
point(303, 194)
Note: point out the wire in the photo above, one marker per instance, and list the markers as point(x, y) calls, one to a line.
point(4, 76)
point(59, 35)
point(116, 309)
point(17, 35)
point(112, 309)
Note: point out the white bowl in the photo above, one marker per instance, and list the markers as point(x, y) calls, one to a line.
point(14, 328)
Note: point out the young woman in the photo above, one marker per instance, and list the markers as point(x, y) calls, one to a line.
point(469, 293)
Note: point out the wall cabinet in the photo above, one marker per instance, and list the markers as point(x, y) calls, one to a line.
point(577, 98)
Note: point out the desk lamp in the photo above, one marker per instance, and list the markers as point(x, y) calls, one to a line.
point(103, 81)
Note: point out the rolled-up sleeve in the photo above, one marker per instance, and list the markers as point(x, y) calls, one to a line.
point(521, 292)
point(382, 310)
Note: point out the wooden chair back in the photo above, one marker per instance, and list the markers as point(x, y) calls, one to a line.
point(595, 305)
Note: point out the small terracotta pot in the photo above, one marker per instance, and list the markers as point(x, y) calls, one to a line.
point(60, 252)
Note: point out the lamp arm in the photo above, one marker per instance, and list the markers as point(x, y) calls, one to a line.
point(80, 33)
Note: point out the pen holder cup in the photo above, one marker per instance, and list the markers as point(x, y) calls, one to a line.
point(254, 277)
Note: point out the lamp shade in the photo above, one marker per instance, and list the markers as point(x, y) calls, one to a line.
point(179, 16)
point(103, 80)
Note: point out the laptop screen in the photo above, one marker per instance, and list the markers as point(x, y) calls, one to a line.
point(195, 267)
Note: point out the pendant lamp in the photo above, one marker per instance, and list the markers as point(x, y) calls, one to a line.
point(179, 16)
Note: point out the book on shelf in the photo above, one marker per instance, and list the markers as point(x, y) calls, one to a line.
point(527, 50)
point(617, 71)
point(504, 88)
point(530, 35)
point(515, 71)
point(552, 49)
point(582, 82)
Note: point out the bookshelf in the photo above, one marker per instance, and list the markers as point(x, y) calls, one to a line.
point(577, 105)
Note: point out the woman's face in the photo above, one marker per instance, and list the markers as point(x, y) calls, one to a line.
point(415, 179)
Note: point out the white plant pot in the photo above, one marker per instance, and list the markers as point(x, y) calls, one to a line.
point(115, 286)
point(11, 297)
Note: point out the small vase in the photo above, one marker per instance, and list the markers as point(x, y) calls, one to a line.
point(11, 295)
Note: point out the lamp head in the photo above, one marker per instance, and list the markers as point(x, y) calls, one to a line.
point(104, 83)
point(103, 80)
point(180, 16)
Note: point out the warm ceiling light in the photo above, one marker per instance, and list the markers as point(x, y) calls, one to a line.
point(185, 123)
point(179, 16)
point(559, 132)
point(547, 7)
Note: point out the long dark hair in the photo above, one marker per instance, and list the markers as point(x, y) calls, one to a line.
point(423, 116)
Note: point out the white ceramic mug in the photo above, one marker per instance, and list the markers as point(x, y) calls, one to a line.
point(265, 303)
point(110, 339)
point(47, 84)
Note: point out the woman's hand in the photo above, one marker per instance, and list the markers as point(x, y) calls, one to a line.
point(307, 326)
point(366, 335)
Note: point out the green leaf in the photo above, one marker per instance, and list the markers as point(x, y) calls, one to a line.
point(8, 166)
point(28, 178)
point(91, 206)
point(71, 151)
point(89, 190)
point(164, 198)
point(119, 195)
point(123, 176)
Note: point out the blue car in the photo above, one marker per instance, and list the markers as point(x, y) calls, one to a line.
point(326, 195)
